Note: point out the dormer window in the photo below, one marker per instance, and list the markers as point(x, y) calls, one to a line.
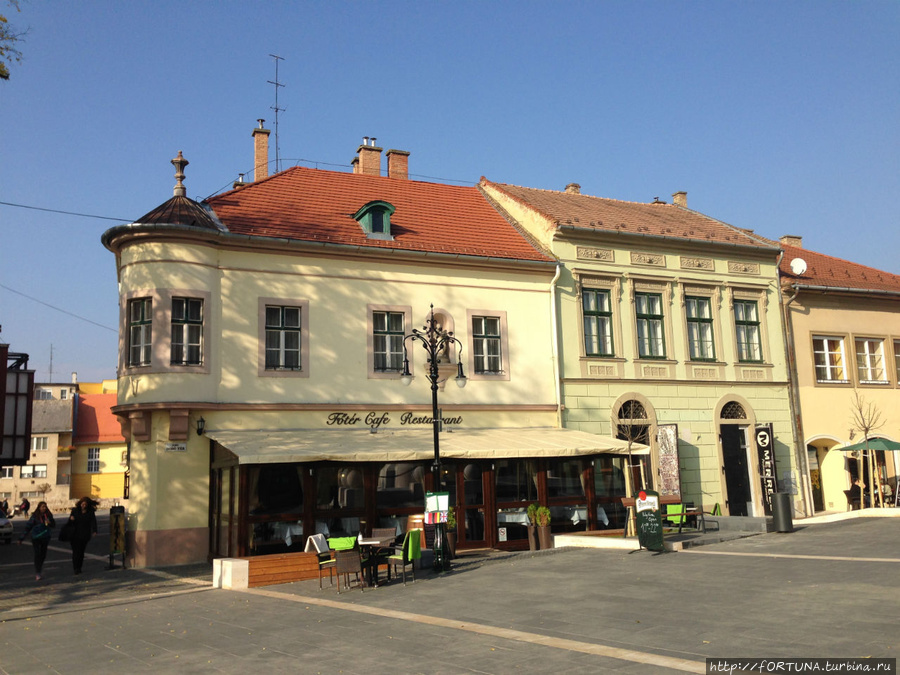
point(375, 219)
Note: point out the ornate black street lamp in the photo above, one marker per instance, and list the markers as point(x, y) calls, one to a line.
point(438, 345)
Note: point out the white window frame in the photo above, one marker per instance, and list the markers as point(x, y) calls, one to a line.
point(597, 324)
point(503, 340)
point(93, 460)
point(40, 471)
point(305, 338)
point(897, 360)
point(751, 329)
point(140, 331)
point(6, 472)
point(186, 332)
point(702, 324)
point(371, 340)
point(831, 345)
point(39, 443)
point(650, 326)
point(26, 471)
point(870, 362)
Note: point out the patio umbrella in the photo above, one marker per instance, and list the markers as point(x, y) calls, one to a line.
point(873, 444)
point(876, 443)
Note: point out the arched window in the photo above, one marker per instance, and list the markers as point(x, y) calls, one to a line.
point(733, 411)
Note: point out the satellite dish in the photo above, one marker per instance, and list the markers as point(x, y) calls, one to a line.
point(798, 266)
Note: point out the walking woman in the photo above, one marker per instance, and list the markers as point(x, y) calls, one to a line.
point(39, 525)
point(84, 527)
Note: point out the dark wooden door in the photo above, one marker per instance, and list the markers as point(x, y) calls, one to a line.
point(737, 478)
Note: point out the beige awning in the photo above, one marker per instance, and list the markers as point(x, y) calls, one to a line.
point(407, 445)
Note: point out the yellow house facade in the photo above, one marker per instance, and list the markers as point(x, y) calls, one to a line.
point(671, 334)
point(99, 455)
point(843, 321)
point(264, 339)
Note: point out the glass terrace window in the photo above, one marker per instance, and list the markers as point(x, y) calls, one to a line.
point(187, 331)
point(139, 331)
point(93, 460)
point(870, 361)
point(486, 345)
point(282, 338)
point(597, 314)
point(387, 328)
point(828, 354)
point(746, 322)
point(649, 314)
point(700, 329)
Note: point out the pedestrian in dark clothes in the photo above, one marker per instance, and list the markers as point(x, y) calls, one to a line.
point(39, 525)
point(85, 527)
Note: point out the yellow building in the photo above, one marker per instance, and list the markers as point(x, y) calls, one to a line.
point(99, 458)
point(670, 334)
point(263, 340)
point(843, 322)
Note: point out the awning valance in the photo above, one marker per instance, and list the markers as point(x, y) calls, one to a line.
point(407, 445)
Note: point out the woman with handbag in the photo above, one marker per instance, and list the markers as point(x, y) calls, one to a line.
point(39, 525)
point(84, 526)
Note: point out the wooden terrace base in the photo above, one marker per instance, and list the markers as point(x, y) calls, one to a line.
point(264, 570)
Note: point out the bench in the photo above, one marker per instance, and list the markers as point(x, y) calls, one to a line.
point(264, 570)
point(669, 500)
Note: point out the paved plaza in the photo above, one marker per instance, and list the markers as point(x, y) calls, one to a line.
point(825, 590)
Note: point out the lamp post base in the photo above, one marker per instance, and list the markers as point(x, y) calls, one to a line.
point(441, 551)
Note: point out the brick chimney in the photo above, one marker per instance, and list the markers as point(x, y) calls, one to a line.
point(573, 189)
point(792, 240)
point(398, 164)
point(369, 158)
point(679, 198)
point(260, 152)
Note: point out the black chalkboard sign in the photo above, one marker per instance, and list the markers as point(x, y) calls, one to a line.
point(648, 520)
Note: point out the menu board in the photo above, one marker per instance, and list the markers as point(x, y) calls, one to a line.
point(648, 520)
point(669, 464)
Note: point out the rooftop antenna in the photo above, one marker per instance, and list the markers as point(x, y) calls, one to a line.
point(277, 110)
point(51, 363)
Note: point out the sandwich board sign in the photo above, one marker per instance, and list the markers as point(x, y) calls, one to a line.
point(648, 520)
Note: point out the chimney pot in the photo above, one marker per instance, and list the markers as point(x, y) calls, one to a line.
point(679, 198)
point(792, 240)
point(573, 189)
point(398, 164)
point(369, 159)
point(260, 152)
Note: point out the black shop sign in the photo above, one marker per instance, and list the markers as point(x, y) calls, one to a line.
point(765, 446)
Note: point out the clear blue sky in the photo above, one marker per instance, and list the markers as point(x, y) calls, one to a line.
point(776, 116)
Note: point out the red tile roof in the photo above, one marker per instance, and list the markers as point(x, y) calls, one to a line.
point(612, 215)
point(95, 422)
point(318, 206)
point(824, 270)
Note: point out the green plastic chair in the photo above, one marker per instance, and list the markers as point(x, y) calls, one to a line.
point(408, 554)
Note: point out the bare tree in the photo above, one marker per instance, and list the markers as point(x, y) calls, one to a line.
point(866, 417)
point(8, 40)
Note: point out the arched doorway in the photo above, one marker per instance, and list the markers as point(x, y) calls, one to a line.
point(740, 477)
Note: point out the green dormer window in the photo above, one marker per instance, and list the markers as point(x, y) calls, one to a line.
point(375, 219)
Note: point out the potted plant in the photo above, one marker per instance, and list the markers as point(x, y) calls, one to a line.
point(543, 528)
point(531, 513)
point(451, 532)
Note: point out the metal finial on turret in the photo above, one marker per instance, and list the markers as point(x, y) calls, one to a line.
point(179, 164)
